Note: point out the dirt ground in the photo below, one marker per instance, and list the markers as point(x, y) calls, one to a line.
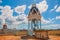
point(19, 38)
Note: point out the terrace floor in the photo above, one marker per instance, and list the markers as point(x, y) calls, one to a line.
point(52, 37)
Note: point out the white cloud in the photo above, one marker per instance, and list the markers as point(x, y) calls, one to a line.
point(1, 7)
point(0, 1)
point(20, 9)
point(54, 8)
point(21, 19)
point(51, 26)
point(58, 9)
point(42, 6)
point(44, 21)
point(7, 11)
point(12, 21)
point(0, 20)
point(57, 17)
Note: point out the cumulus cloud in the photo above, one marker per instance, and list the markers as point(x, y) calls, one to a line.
point(9, 19)
point(6, 16)
point(21, 19)
point(19, 22)
point(42, 6)
point(51, 26)
point(20, 9)
point(7, 12)
point(58, 9)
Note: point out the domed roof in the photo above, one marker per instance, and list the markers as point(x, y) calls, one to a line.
point(34, 7)
point(4, 26)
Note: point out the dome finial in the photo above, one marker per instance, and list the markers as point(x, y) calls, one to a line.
point(34, 3)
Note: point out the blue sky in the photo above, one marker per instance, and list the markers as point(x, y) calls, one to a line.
point(50, 14)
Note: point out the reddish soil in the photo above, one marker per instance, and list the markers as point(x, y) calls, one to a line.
point(19, 38)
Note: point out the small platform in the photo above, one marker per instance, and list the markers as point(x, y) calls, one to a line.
point(32, 37)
